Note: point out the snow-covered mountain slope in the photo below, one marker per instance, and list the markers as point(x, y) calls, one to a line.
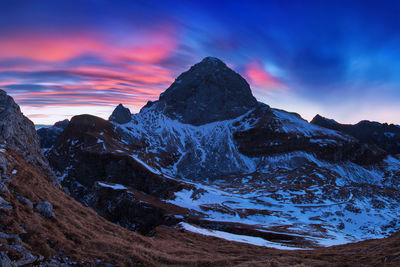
point(232, 147)
point(261, 171)
point(332, 198)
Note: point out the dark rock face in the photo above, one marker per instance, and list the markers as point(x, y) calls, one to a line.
point(256, 142)
point(62, 124)
point(18, 133)
point(86, 153)
point(96, 160)
point(121, 115)
point(127, 209)
point(386, 136)
point(48, 136)
point(209, 91)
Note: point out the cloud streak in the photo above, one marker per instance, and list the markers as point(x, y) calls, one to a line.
point(78, 55)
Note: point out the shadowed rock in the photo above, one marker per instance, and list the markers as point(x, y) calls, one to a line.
point(121, 115)
point(46, 209)
point(48, 136)
point(209, 91)
point(386, 136)
point(18, 133)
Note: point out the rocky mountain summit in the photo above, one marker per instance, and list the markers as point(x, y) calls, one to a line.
point(386, 136)
point(209, 91)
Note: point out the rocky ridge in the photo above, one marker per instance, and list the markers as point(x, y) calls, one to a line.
point(386, 136)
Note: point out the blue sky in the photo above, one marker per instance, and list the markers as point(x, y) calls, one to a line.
point(340, 59)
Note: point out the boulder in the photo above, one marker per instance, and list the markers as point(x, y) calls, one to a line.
point(46, 209)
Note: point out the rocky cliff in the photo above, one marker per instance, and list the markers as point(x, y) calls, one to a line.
point(18, 133)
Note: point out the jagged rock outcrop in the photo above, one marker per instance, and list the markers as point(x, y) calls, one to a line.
point(48, 136)
point(46, 209)
point(386, 136)
point(209, 91)
point(121, 115)
point(18, 133)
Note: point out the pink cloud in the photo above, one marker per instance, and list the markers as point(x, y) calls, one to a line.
point(131, 74)
point(149, 46)
point(260, 78)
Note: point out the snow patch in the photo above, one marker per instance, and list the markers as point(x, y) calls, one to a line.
point(114, 186)
point(258, 241)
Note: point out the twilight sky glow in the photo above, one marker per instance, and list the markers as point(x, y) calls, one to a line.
point(340, 59)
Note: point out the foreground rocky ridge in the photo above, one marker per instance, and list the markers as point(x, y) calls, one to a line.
point(18, 133)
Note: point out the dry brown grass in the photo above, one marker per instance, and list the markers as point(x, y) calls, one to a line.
point(82, 235)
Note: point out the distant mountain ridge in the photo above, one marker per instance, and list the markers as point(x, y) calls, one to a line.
point(48, 135)
point(386, 136)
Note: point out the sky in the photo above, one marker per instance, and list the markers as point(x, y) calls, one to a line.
point(340, 59)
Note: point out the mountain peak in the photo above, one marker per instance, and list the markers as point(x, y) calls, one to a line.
point(209, 91)
point(212, 60)
point(121, 114)
point(324, 122)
